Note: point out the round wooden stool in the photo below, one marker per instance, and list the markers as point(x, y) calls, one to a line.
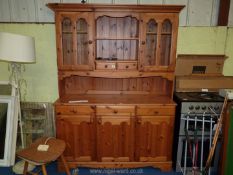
point(33, 156)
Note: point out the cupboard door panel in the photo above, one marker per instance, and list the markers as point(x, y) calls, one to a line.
point(78, 133)
point(115, 138)
point(154, 138)
point(75, 49)
point(159, 34)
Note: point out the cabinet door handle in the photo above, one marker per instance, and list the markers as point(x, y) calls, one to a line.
point(139, 120)
point(99, 121)
point(143, 42)
point(161, 137)
point(73, 111)
point(89, 42)
point(91, 120)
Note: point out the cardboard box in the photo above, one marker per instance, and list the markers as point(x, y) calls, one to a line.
point(200, 83)
point(199, 64)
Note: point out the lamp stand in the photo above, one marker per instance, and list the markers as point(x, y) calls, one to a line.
point(16, 70)
point(15, 78)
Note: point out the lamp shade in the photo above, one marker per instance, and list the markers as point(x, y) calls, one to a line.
point(17, 48)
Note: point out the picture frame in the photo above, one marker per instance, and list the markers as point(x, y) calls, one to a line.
point(9, 121)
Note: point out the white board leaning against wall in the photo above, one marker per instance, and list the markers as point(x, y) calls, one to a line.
point(8, 125)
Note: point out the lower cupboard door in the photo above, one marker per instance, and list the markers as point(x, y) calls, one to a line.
point(78, 133)
point(115, 138)
point(154, 138)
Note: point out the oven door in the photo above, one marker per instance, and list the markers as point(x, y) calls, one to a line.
point(184, 159)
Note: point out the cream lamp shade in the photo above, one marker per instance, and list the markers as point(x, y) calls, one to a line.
point(17, 48)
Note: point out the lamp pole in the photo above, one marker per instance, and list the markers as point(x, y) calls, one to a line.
point(15, 82)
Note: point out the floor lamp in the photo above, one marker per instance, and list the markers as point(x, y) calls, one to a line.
point(17, 49)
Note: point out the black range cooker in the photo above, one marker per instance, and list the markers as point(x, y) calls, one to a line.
point(196, 117)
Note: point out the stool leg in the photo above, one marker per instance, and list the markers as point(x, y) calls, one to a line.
point(25, 169)
point(65, 165)
point(44, 170)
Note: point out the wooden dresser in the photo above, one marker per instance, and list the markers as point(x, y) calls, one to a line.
point(116, 76)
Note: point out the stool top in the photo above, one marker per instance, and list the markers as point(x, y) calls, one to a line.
point(55, 150)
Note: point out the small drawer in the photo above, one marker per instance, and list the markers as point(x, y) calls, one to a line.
point(155, 110)
point(115, 110)
point(105, 66)
point(127, 66)
point(72, 110)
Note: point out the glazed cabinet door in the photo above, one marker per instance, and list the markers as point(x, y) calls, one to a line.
point(154, 138)
point(75, 41)
point(78, 131)
point(115, 137)
point(158, 41)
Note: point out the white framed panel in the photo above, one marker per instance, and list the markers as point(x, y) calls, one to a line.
point(9, 121)
point(200, 12)
point(100, 1)
point(5, 15)
point(151, 2)
point(183, 13)
point(215, 12)
point(230, 19)
point(71, 1)
point(22, 10)
point(125, 2)
point(44, 14)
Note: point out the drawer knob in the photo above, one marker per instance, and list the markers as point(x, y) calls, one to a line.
point(89, 42)
point(73, 111)
point(106, 66)
point(139, 120)
point(115, 111)
point(91, 120)
point(161, 137)
point(143, 42)
point(156, 112)
point(127, 67)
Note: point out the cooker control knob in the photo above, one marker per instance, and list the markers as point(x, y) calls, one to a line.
point(191, 107)
point(203, 107)
point(197, 107)
point(216, 107)
point(210, 107)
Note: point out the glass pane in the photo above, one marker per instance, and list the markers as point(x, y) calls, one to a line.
point(166, 43)
point(151, 43)
point(3, 119)
point(82, 42)
point(67, 44)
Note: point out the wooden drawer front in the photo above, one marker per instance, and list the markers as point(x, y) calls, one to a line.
point(74, 110)
point(155, 110)
point(115, 110)
point(127, 66)
point(105, 66)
